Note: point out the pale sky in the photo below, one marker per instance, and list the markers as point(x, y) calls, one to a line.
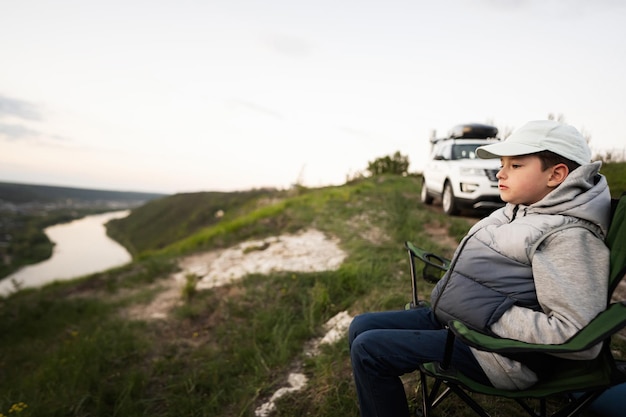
point(223, 95)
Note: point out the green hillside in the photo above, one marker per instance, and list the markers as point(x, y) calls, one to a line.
point(90, 348)
point(155, 225)
point(616, 176)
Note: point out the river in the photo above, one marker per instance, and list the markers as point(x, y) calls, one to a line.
point(81, 247)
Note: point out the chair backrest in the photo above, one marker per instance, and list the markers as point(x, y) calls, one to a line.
point(616, 241)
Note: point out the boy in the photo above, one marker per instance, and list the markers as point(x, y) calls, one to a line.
point(535, 270)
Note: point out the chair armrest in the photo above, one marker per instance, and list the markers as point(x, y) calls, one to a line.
point(428, 258)
point(434, 265)
point(600, 328)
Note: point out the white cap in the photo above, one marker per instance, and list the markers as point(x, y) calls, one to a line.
point(541, 135)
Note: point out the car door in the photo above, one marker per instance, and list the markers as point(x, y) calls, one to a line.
point(439, 166)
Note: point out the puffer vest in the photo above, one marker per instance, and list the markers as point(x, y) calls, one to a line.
point(491, 270)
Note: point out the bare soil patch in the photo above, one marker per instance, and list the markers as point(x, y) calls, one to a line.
point(308, 251)
point(439, 232)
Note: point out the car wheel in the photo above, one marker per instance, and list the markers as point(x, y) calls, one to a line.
point(448, 201)
point(424, 197)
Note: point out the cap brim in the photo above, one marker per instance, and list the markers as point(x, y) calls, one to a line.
point(496, 150)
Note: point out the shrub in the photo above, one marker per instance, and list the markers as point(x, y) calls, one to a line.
point(397, 164)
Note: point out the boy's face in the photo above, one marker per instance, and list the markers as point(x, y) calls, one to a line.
point(521, 180)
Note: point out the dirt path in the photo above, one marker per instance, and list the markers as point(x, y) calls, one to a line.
point(307, 251)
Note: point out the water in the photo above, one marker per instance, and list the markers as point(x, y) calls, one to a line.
point(81, 248)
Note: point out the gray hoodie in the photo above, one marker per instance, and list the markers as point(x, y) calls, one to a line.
point(570, 270)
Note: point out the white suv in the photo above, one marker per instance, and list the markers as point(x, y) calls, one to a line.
point(456, 175)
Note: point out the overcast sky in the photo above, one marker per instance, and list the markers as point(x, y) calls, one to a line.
point(206, 95)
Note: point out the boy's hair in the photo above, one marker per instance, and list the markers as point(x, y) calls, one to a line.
point(549, 159)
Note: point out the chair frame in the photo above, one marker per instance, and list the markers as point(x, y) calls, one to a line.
point(607, 371)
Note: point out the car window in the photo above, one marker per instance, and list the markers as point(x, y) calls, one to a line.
point(440, 151)
point(464, 151)
point(446, 152)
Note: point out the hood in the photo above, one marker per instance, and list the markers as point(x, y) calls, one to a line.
point(584, 194)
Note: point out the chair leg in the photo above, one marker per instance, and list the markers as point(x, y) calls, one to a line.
point(576, 407)
point(469, 401)
point(426, 407)
point(573, 409)
point(414, 295)
point(432, 399)
point(530, 411)
point(446, 392)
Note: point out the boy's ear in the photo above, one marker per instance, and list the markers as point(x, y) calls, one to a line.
point(558, 175)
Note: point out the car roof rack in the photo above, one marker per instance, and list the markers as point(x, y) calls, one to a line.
point(470, 131)
point(473, 131)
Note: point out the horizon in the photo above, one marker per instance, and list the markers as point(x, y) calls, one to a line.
point(30, 184)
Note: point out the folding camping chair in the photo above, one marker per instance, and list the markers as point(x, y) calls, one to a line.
point(580, 383)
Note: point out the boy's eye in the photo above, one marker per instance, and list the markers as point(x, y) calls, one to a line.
point(515, 165)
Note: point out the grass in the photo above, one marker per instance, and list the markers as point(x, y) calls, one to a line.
point(616, 175)
point(73, 349)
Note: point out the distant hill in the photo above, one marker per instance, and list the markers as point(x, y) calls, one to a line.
point(30, 193)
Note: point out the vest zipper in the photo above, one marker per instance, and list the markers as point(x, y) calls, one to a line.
point(448, 274)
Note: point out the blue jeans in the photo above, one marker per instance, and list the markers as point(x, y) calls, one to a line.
point(386, 345)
